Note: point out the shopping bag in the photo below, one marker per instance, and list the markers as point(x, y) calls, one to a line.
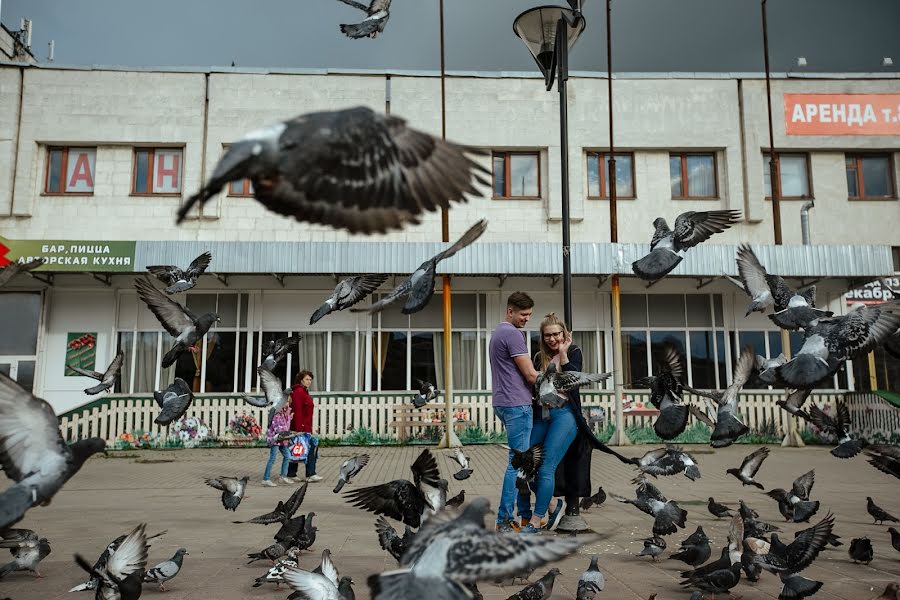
point(299, 447)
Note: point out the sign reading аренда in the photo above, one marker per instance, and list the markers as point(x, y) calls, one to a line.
point(842, 114)
point(70, 255)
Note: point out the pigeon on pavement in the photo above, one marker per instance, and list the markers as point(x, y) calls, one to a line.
point(591, 581)
point(749, 467)
point(307, 536)
point(794, 401)
point(272, 552)
point(418, 288)
point(15, 267)
point(885, 458)
point(390, 541)
point(729, 426)
point(717, 510)
point(788, 560)
point(596, 500)
point(283, 510)
point(665, 394)
point(839, 427)
point(427, 393)
point(178, 280)
point(730, 556)
point(173, 401)
point(879, 514)
point(895, 538)
point(315, 586)
point(457, 500)
point(653, 547)
point(275, 350)
point(107, 379)
point(122, 576)
point(463, 461)
point(350, 468)
point(377, 14)
point(891, 592)
point(33, 453)
point(668, 517)
point(275, 574)
point(347, 293)
point(27, 554)
point(275, 395)
point(187, 329)
point(698, 537)
point(166, 570)
point(352, 169)
point(233, 490)
point(693, 554)
point(670, 460)
point(541, 589)
point(861, 550)
point(668, 246)
point(795, 505)
point(94, 581)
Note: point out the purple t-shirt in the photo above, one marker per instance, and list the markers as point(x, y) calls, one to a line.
point(509, 387)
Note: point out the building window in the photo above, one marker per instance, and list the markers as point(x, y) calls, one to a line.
point(693, 175)
point(157, 171)
point(516, 174)
point(240, 189)
point(20, 315)
point(794, 169)
point(598, 177)
point(70, 171)
point(869, 176)
point(895, 254)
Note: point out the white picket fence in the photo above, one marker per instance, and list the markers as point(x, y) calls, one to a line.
point(336, 415)
point(872, 416)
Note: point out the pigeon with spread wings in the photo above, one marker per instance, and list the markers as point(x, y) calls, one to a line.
point(178, 280)
point(173, 401)
point(839, 427)
point(107, 379)
point(275, 395)
point(276, 350)
point(729, 427)
point(665, 394)
point(121, 578)
point(377, 14)
point(347, 293)
point(15, 267)
point(749, 467)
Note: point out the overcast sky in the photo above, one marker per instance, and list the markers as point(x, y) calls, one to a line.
point(648, 35)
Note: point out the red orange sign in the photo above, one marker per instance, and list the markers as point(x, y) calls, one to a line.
point(842, 114)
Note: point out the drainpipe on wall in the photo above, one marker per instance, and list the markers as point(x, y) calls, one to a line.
point(804, 222)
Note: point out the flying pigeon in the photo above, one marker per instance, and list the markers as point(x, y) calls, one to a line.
point(591, 581)
point(541, 589)
point(794, 401)
point(173, 401)
point(390, 541)
point(788, 560)
point(427, 393)
point(166, 570)
point(457, 500)
point(347, 293)
point(15, 267)
point(275, 574)
point(667, 247)
point(33, 452)
point(27, 554)
point(283, 510)
point(351, 169)
point(718, 510)
point(121, 577)
point(597, 499)
point(275, 350)
point(181, 323)
point(233, 490)
point(694, 553)
point(527, 463)
point(377, 14)
point(463, 461)
point(93, 581)
point(665, 394)
point(178, 280)
point(107, 379)
point(670, 460)
point(350, 468)
point(298, 531)
point(653, 547)
point(832, 341)
point(885, 458)
point(275, 394)
point(795, 505)
point(792, 310)
point(729, 426)
point(749, 466)
point(451, 551)
point(552, 385)
point(839, 427)
point(668, 516)
point(861, 550)
point(400, 499)
point(879, 514)
point(766, 368)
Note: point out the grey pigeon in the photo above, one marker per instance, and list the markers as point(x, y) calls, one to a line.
point(121, 577)
point(552, 385)
point(788, 560)
point(591, 581)
point(272, 552)
point(377, 14)
point(15, 267)
point(187, 329)
point(418, 288)
point(427, 393)
point(839, 427)
point(861, 550)
point(451, 551)
point(275, 574)
point(832, 341)
point(400, 499)
point(33, 453)
point(594, 500)
point(670, 460)
point(879, 514)
point(107, 379)
point(668, 246)
point(463, 461)
point(729, 426)
point(322, 583)
point(667, 515)
point(283, 510)
point(795, 505)
point(665, 394)
point(352, 169)
point(180, 281)
point(457, 500)
point(27, 554)
point(166, 570)
point(717, 510)
point(275, 350)
point(694, 554)
point(749, 466)
point(173, 401)
point(390, 541)
point(794, 402)
point(793, 310)
point(349, 469)
point(347, 293)
point(653, 547)
point(275, 395)
point(233, 490)
point(541, 589)
point(766, 368)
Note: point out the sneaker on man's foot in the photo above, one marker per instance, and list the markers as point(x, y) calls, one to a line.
point(269, 483)
point(314, 478)
point(504, 527)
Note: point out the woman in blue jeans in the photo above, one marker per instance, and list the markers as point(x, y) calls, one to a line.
point(555, 428)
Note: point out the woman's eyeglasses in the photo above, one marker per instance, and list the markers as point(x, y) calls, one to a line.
point(550, 336)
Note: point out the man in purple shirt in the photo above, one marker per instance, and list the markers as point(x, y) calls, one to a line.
point(512, 376)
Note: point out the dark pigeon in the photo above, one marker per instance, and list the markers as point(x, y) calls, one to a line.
point(594, 500)
point(181, 323)
point(94, 581)
point(879, 514)
point(749, 466)
point(668, 246)
point(390, 541)
point(717, 510)
point(541, 589)
point(272, 553)
point(377, 14)
point(173, 401)
point(730, 556)
point(33, 453)
point(788, 560)
point(885, 458)
point(351, 169)
point(794, 402)
point(861, 550)
point(180, 281)
point(670, 460)
point(527, 463)
point(275, 350)
point(347, 293)
point(653, 547)
point(839, 427)
point(729, 426)
point(895, 538)
point(15, 267)
point(233, 490)
point(283, 510)
point(719, 581)
point(694, 554)
point(457, 500)
point(121, 578)
point(107, 379)
point(766, 367)
point(350, 468)
point(665, 394)
point(463, 461)
point(795, 505)
point(698, 537)
point(668, 516)
point(427, 393)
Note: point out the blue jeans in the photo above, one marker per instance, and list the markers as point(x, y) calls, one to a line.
point(517, 420)
point(273, 453)
point(310, 461)
point(556, 433)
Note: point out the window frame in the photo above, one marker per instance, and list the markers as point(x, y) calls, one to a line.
point(860, 180)
point(601, 160)
point(809, 183)
point(248, 186)
point(685, 191)
point(64, 167)
point(151, 150)
point(507, 154)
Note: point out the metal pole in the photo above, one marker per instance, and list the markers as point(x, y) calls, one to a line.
point(774, 171)
point(563, 73)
